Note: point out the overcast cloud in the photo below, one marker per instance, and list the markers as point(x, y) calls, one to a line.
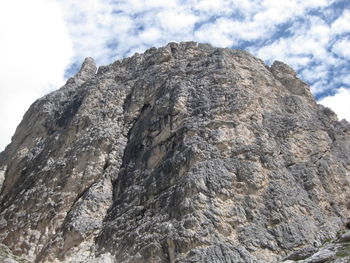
point(55, 36)
point(35, 49)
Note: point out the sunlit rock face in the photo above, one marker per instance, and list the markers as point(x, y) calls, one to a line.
point(186, 153)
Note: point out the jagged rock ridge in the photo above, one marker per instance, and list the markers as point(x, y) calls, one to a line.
point(186, 153)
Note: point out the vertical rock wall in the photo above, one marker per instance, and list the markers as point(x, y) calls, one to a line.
point(185, 153)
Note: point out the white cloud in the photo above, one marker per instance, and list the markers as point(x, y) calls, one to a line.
point(316, 73)
point(342, 24)
point(34, 51)
point(307, 50)
point(152, 23)
point(150, 35)
point(210, 6)
point(310, 39)
point(339, 103)
point(218, 36)
point(344, 78)
point(176, 23)
point(319, 86)
point(111, 29)
point(342, 48)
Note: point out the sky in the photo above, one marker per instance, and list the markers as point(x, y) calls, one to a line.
point(43, 42)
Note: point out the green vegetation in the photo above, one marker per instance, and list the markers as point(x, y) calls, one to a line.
point(344, 251)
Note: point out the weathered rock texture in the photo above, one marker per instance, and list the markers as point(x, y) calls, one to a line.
point(185, 153)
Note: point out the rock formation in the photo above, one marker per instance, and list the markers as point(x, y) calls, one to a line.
point(186, 153)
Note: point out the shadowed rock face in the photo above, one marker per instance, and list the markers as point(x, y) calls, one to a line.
point(185, 153)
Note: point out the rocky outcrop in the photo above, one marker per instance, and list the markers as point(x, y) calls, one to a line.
point(337, 251)
point(186, 153)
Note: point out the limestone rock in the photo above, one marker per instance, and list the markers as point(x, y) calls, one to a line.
point(186, 153)
point(287, 76)
point(336, 251)
point(322, 256)
point(6, 256)
point(345, 237)
point(302, 253)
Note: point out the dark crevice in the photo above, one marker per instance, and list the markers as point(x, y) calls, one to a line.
point(80, 196)
point(347, 225)
point(69, 112)
point(106, 165)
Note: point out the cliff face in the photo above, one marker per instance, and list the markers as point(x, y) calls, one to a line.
point(185, 153)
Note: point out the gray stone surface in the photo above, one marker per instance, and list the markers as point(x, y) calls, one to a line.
point(10, 260)
point(302, 253)
point(333, 250)
point(322, 256)
point(345, 237)
point(186, 153)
